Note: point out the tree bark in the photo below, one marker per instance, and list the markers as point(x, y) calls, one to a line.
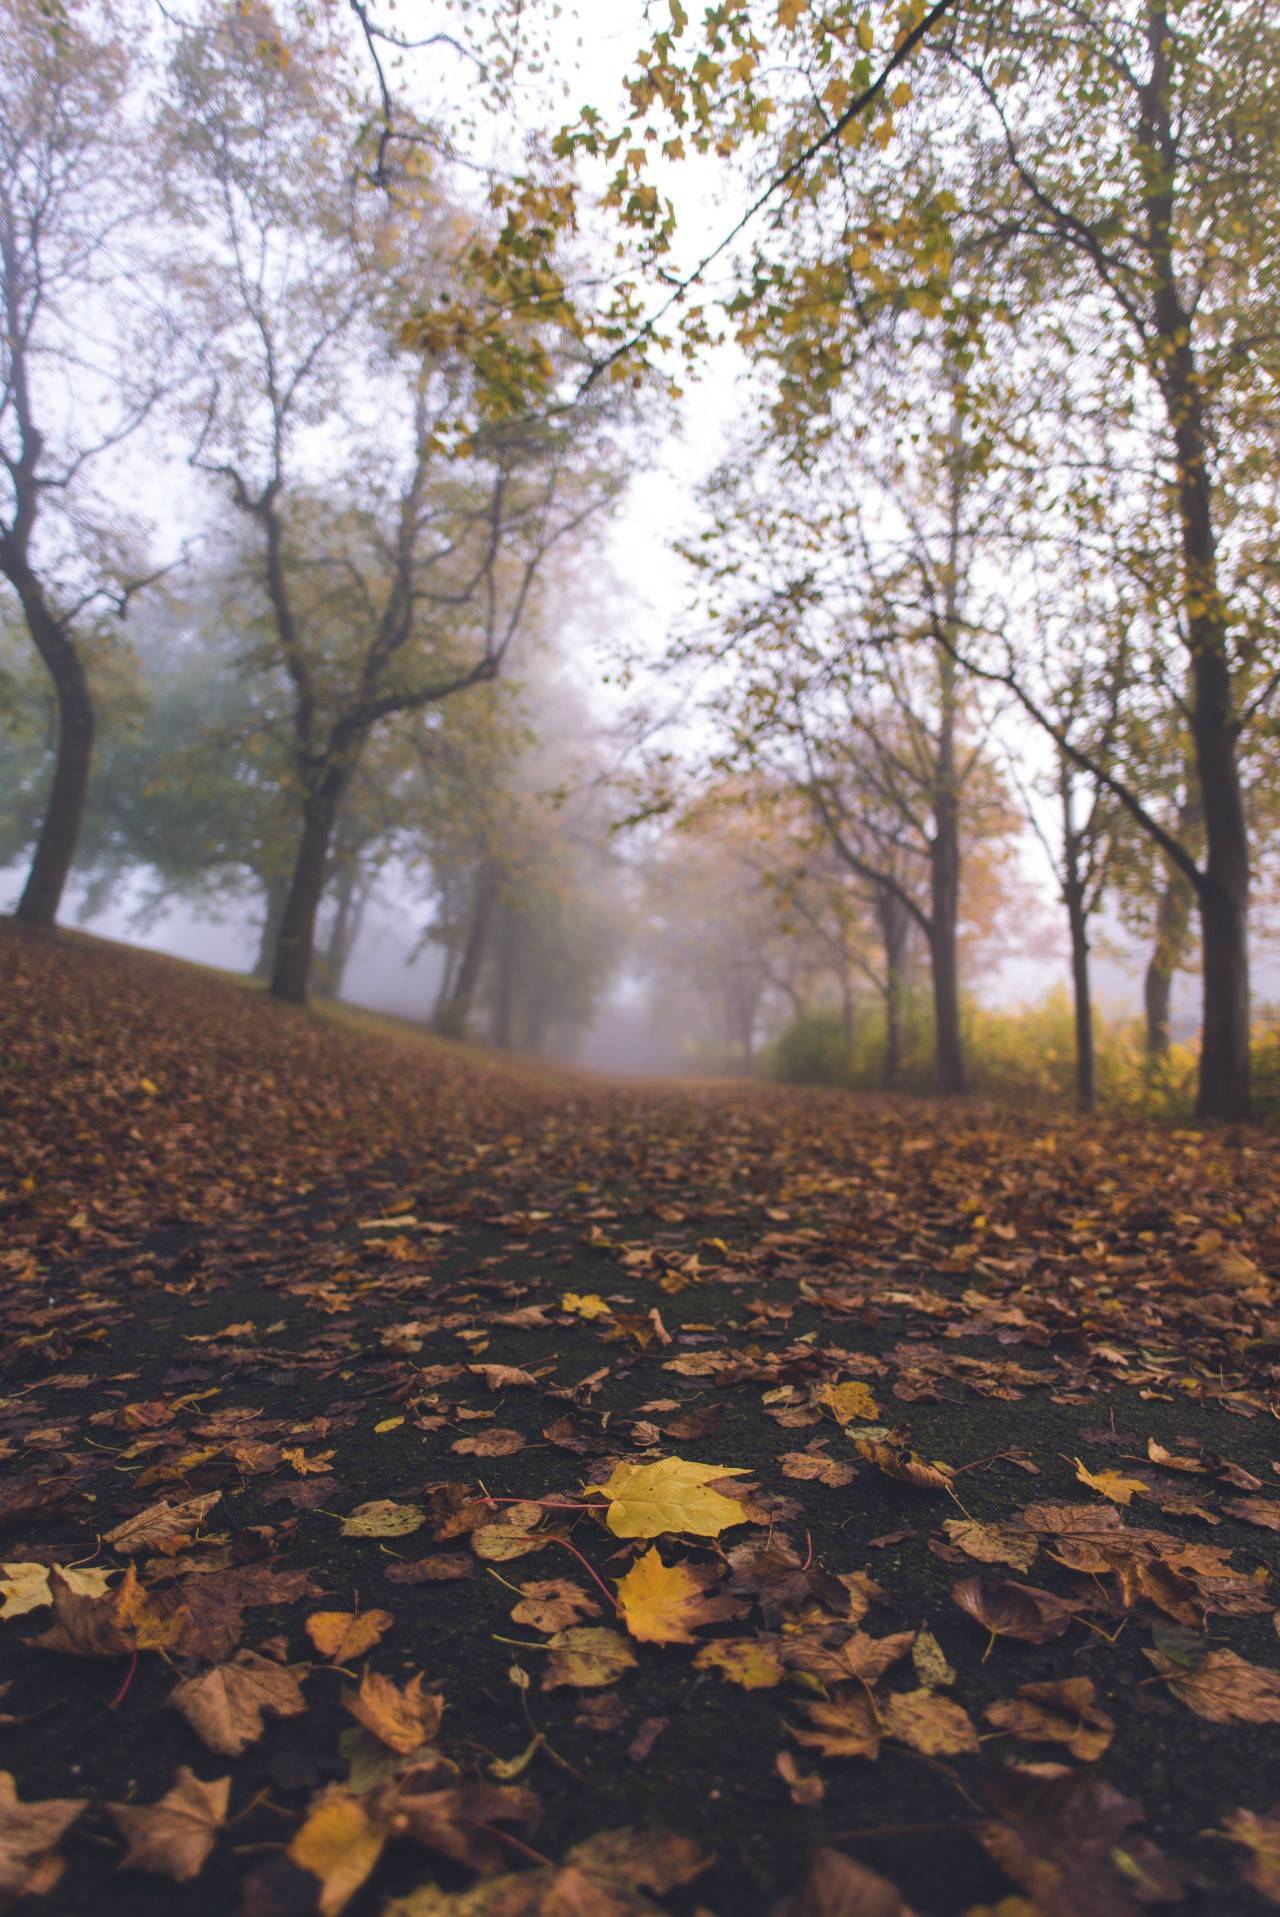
point(64, 808)
point(1173, 922)
point(291, 974)
point(269, 937)
point(944, 902)
point(1077, 918)
point(505, 985)
point(454, 1011)
point(1223, 886)
point(894, 932)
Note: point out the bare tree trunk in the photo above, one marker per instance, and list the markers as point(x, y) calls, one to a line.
point(894, 932)
point(505, 985)
point(453, 1012)
point(1077, 918)
point(349, 902)
point(1223, 886)
point(291, 975)
point(1173, 923)
point(269, 937)
point(944, 903)
point(64, 808)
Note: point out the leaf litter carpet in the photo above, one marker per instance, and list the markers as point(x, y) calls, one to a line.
point(430, 1486)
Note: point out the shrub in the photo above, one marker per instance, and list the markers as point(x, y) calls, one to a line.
point(813, 1050)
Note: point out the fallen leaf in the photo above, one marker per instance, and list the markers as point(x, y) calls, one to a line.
point(650, 1500)
point(1112, 1484)
point(114, 1624)
point(903, 1465)
point(838, 1887)
point(752, 1663)
point(586, 1656)
point(1224, 1688)
point(225, 1706)
point(811, 1465)
point(933, 1725)
point(992, 1543)
point(339, 1845)
point(29, 1835)
point(844, 1725)
point(383, 1518)
point(342, 1636)
point(174, 1836)
point(1062, 1712)
point(930, 1661)
point(665, 1603)
point(25, 1587)
point(441, 1569)
point(401, 1719)
point(1070, 1843)
point(162, 1527)
point(848, 1401)
point(1260, 1835)
point(589, 1305)
point(553, 1604)
point(1013, 1610)
point(495, 1442)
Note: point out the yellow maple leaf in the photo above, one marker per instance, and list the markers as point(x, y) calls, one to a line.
point(585, 1305)
point(850, 1400)
point(343, 1635)
point(1111, 1484)
point(749, 1662)
point(672, 1495)
point(664, 1603)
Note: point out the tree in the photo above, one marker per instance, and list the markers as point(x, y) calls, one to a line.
point(403, 581)
point(1141, 173)
point(78, 338)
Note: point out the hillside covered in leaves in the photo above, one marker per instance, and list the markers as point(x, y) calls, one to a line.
point(431, 1487)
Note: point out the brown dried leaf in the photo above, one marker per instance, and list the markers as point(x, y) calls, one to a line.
point(1013, 1610)
point(116, 1624)
point(992, 1543)
point(587, 1657)
point(838, 1887)
point(844, 1725)
point(225, 1706)
point(162, 1527)
point(174, 1836)
point(401, 1719)
point(29, 1835)
point(934, 1725)
point(1064, 1712)
point(1224, 1688)
point(553, 1604)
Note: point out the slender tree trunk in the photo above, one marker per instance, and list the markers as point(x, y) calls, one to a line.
point(894, 932)
point(269, 937)
point(944, 882)
point(504, 996)
point(291, 974)
point(1223, 886)
point(345, 882)
point(453, 1012)
point(1075, 898)
point(1173, 922)
point(944, 848)
point(1078, 920)
point(64, 808)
